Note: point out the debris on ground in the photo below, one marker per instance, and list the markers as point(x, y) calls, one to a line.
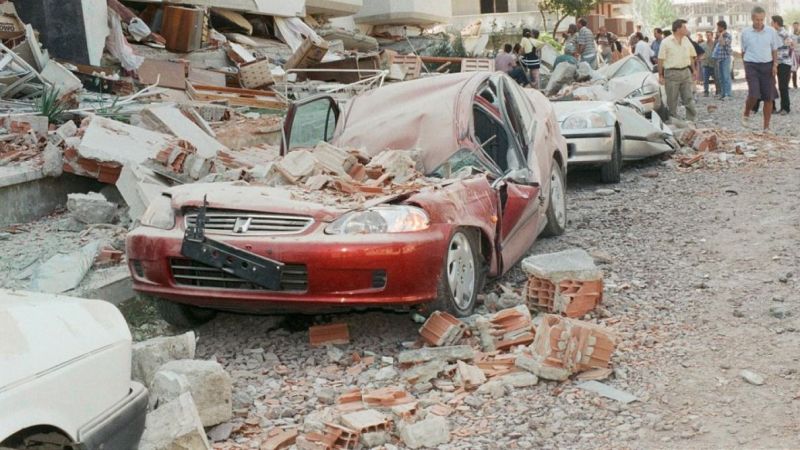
point(567, 282)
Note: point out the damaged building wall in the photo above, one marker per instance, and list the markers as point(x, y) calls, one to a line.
point(56, 22)
point(404, 12)
point(282, 8)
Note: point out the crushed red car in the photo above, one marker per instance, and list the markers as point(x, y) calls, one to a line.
point(494, 167)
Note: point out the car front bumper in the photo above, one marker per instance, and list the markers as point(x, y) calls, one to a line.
point(121, 426)
point(329, 271)
point(591, 146)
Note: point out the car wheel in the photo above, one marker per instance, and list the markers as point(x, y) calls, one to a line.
point(462, 275)
point(183, 316)
point(610, 172)
point(557, 203)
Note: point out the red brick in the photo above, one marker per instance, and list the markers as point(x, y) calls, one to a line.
point(335, 333)
point(442, 329)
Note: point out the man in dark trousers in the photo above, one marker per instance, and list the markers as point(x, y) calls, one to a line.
point(784, 62)
point(760, 54)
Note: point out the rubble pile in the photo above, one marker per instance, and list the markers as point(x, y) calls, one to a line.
point(720, 148)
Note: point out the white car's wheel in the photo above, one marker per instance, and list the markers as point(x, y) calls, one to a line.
point(611, 172)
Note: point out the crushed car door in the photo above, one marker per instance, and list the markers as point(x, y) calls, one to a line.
point(643, 137)
point(517, 191)
point(308, 122)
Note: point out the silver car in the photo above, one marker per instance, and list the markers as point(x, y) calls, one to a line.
point(606, 133)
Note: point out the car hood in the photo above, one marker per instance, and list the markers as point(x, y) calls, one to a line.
point(39, 332)
point(563, 109)
point(321, 205)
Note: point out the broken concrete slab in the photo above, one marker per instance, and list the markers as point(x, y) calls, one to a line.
point(174, 425)
point(566, 282)
point(53, 160)
point(139, 186)
point(433, 431)
point(149, 355)
point(91, 208)
point(425, 372)
point(207, 381)
point(607, 391)
point(468, 376)
point(63, 272)
point(425, 354)
point(169, 119)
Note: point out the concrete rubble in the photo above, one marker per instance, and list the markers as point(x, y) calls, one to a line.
point(567, 282)
point(150, 355)
point(174, 425)
point(207, 381)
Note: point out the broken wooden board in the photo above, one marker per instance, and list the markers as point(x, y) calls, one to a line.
point(169, 74)
point(236, 97)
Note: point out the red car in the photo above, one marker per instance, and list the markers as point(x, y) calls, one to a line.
point(206, 247)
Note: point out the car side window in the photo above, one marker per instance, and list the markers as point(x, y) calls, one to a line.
point(313, 122)
point(493, 137)
point(526, 111)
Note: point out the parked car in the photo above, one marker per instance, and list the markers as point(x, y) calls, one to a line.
point(631, 78)
point(65, 380)
point(606, 133)
point(431, 245)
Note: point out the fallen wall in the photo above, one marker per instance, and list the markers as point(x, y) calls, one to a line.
point(27, 196)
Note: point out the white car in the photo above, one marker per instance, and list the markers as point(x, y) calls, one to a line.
point(606, 133)
point(65, 375)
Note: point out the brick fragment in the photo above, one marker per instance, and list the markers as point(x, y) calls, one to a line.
point(367, 421)
point(108, 257)
point(505, 329)
point(387, 397)
point(442, 329)
point(565, 346)
point(335, 333)
point(279, 439)
point(566, 282)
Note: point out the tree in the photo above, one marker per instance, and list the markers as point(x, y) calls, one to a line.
point(662, 13)
point(791, 16)
point(562, 9)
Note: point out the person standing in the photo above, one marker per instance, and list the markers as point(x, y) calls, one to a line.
point(709, 64)
point(784, 62)
point(531, 59)
point(655, 46)
point(760, 54)
point(605, 41)
point(795, 52)
point(676, 57)
point(643, 50)
point(723, 54)
point(632, 40)
point(587, 50)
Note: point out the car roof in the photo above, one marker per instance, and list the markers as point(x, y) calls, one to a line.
point(41, 331)
point(432, 114)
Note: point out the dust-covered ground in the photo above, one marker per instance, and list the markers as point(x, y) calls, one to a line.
point(701, 281)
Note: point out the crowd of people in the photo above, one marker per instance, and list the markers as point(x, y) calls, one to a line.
point(770, 54)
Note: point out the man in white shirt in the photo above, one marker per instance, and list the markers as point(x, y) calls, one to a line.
point(642, 50)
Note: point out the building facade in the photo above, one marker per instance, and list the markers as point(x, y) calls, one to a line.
point(704, 15)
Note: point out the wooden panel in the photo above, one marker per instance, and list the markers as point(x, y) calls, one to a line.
point(169, 74)
point(183, 28)
point(477, 65)
point(236, 97)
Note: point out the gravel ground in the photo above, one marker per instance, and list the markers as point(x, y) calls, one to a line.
point(701, 282)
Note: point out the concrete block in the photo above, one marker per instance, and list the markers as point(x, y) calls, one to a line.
point(174, 425)
point(53, 158)
point(91, 208)
point(432, 431)
point(566, 282)
point(151, 354)
point(208, 382)
point(451, 353)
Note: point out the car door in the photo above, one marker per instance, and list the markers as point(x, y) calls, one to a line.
point(519, 192)
point(308, 122)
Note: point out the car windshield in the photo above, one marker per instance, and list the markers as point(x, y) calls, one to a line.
point(624, 67)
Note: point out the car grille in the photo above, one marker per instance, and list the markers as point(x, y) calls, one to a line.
point(236, 223)
point(186, 272)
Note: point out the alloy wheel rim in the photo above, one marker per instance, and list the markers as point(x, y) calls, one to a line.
point(461, 270)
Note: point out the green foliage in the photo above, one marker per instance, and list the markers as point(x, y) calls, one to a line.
point(458, 47)
point(566, 8)
point(50, 104)
point(791, 16)
point(549, 39)
point(661, 13)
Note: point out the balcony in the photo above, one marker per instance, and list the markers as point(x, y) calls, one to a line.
point(404, 12)
point(333, 8)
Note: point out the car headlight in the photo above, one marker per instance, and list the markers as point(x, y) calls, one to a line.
point(588, 120)
point(381, 219)
point(159, 214)
point(644, 91)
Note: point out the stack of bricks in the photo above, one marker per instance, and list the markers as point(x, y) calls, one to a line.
point(566, 282)
point(442, 329)
point(505, 329)
point(566, 346)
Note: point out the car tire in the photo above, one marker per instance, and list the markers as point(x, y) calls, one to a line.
point(462, 274)
point(557, 203)
point(611, 171)
point(182, 316)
